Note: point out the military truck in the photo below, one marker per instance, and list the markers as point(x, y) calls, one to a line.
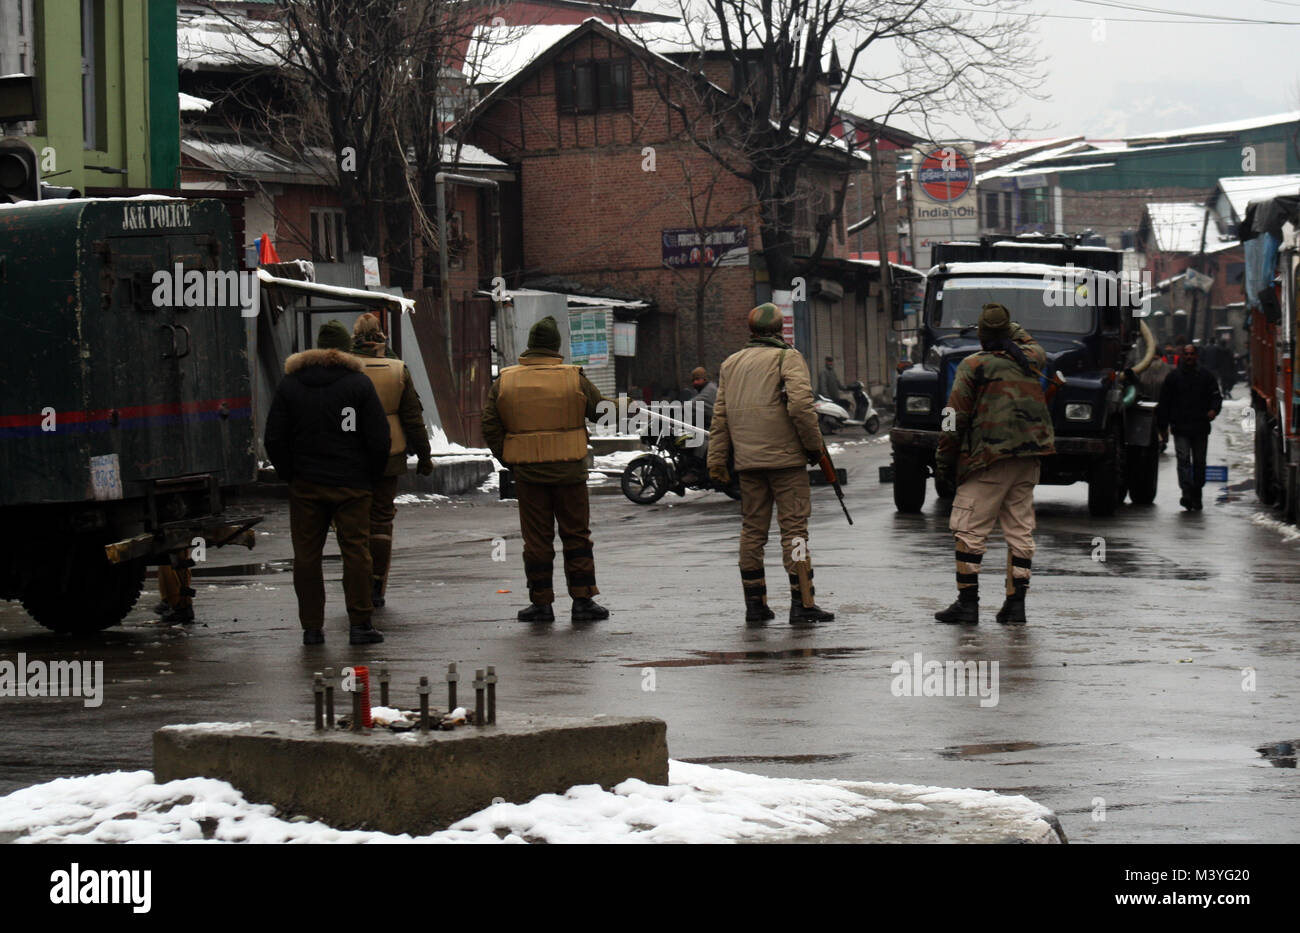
point(1076, 303)
point(125, 409)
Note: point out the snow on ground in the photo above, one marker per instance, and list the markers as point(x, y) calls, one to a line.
point(616, 460)
point(701, 804)
point(415, 498)
point(1288, 531)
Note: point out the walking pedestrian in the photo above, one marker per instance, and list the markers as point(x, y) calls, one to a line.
point(535, 422)
point(1189, 401)
point(327, 437)
point(407, 434)
point(764, 420)
point(1000, 429)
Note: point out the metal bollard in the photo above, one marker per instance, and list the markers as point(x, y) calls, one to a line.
point(383, 683)
point(452, 678)
point(479, 685)
point(318, 691)
point(424, 704)
point(491, 695)
point(329, 698)
point(356, 708)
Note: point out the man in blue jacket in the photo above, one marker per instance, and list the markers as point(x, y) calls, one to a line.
point(327, 436)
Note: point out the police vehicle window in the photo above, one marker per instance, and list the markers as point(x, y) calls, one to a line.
point(960, 300)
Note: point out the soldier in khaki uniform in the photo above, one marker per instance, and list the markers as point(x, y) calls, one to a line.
point(535, 422)
point(407, 431)
point(764, 418)
point(1002, 428)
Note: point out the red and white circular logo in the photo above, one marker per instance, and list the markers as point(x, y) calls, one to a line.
point(945, 174)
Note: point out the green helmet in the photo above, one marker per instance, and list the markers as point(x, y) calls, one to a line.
point(766, 319)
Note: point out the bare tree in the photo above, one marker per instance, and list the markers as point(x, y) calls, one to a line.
point(756, 87)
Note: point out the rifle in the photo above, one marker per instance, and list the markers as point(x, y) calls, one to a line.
point(833, 478)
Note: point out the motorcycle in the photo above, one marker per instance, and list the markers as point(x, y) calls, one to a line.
point(832, 416)
point(649, 477)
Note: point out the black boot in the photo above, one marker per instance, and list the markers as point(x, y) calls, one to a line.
point(1013, 609)
point(965, 611)
point(585, 609)
point(537, 612)
point(757, 610)
point(364, 635)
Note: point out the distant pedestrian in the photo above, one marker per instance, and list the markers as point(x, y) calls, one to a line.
point(407, 434)
point(1189, 401)
point(764, 420)
point(535, 422)
point(829, 385)
point(699, 410)
point(1001, 430)
point(327, 436)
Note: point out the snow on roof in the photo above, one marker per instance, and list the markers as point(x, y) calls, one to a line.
point(1234, 126)
point(1002, 148)
point(1021, 170)
point(471, 156)
point(191, 104)
point(214, 41)
point(593, 301)
point(498, 53)
point(256, 160)
point(1013, 268)
point(1176, 226)
point(1243, 189)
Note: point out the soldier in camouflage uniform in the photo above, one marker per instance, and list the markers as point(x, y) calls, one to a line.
point(1001, 428)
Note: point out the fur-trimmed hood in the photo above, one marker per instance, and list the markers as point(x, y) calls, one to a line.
point(320, 357)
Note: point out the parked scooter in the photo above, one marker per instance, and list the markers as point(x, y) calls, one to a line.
point(834, 417)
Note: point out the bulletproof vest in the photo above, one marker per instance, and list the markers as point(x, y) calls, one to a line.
point(387, 377)
point(545, 413)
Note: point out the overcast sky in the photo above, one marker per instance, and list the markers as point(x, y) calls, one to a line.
point(1143, 77)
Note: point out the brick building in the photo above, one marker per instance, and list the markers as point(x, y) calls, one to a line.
point(615, 199)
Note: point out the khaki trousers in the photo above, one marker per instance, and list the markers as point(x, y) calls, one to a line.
point(1002, 493)
point(382, 513)
point(312, 507)
point(760, 490)
point(173, 583)
point(541, 508)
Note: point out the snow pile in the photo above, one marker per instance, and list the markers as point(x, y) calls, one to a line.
point(700, 805)
point(1288, 532)
point(438, 444)
point(415, 498)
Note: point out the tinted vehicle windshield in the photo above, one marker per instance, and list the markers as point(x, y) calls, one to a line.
point(959, 300)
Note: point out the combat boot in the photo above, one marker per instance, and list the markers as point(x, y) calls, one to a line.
point(364, 635)
point(965, 611)
point(1013, 608)
point(537, 612)
point(757, 610)
point(801, 613)
point(586, 609)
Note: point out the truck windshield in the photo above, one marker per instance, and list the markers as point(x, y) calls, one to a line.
point(958, 302)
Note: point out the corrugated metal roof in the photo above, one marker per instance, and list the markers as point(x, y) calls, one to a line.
point(1243, 189)
point(1233, 126)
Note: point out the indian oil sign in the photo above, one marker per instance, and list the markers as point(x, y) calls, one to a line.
point(944, 205)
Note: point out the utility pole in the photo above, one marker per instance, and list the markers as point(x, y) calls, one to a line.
point(1196, 293)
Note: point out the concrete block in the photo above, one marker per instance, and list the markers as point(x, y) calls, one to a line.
point(452, 475)
point(412, 782)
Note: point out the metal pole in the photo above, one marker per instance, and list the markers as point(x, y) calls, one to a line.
point(318, 690)
point(424, 704)
point(491, 695)
point(329, 697)
point(479, 708)
point(452, 677)
point(383, 684)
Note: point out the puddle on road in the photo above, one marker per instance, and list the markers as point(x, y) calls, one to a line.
point(1280, 754)
point(769, 759)
point(956, 752)
point(703, 658)
point(253, 570)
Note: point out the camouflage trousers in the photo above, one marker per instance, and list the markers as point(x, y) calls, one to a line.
point(788, 491)
point(1003, 494)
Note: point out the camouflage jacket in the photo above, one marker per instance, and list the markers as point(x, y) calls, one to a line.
point(997, 411)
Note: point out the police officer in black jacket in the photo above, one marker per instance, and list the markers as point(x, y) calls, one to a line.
point(327, 436)
point(1189, 401)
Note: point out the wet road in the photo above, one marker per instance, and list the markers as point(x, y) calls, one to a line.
point(1121, 706)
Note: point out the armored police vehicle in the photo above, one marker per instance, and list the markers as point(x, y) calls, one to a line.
point(125, 410)
point(1075, 302)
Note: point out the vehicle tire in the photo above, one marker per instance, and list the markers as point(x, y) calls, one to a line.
point(93, 594)
point(828, 425)
point(873, 424)
point(645, 480)
point(1105, 480)
point(909, 483)
point(1143, 473)
point(1264, 490)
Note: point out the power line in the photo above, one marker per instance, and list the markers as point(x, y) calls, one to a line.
point(1212, 17)
point(1123, 19)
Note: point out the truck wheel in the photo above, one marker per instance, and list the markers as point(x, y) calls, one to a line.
point(1264, 460)
point(1104, 482)
point(1143, 473)
point(93, 595)
point(909, 483)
